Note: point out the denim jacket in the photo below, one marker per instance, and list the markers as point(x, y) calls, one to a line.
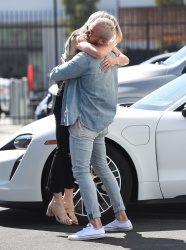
point(90, 94)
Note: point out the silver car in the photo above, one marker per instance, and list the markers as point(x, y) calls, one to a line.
point(137, 81)
point(159, 58)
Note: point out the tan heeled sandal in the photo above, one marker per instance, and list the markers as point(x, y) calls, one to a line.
point(70, 208)
point(58, 210)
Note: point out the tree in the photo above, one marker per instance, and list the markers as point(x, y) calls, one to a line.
point(79, 11)
point(169, 2)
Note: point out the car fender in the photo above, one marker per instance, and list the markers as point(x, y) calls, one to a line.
point(142, 153)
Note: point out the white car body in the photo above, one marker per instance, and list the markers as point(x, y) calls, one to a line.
point(25, 186)
point(153, 141)
point(157, 152)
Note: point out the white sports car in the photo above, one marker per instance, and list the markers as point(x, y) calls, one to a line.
point(145, 151)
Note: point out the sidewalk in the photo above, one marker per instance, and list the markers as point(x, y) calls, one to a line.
point(7, 129)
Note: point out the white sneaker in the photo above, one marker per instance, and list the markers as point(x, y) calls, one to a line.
point(117, 225)
point(88, 233)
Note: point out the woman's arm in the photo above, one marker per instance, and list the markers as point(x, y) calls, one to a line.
point(95, 51)
point(109, 61)
point(121, 59)
point(101, 51)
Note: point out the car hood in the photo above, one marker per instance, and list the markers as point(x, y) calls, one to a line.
point(137, 116)
point(131, 73)
point(42, 130)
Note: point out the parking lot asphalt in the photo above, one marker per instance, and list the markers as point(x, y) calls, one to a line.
point(156, 227)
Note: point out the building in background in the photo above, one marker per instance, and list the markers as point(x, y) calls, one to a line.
point(34, 32)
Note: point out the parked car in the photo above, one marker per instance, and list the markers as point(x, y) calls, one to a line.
point(145, 151)
point(159, 58)
point(45, 106)
point(137, 81)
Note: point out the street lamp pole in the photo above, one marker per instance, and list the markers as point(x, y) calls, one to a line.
point(55, 32)
point(117, 8)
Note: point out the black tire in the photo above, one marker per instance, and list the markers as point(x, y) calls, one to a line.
point(125, 172)
point(121, 170)
point(46, 194)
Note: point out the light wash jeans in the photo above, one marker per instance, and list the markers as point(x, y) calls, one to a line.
point(87, 146)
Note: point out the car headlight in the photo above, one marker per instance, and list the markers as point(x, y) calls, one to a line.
point(22, 141)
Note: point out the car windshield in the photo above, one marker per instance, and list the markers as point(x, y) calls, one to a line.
point(162, 98)
point(176, 57)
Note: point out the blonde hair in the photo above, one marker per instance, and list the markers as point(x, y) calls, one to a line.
point(107, 30)
point(98, 14)
point(104, 14)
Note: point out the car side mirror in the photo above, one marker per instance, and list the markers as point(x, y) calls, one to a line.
point(184, 112)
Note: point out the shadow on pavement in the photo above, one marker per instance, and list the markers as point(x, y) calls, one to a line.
point(154, 226)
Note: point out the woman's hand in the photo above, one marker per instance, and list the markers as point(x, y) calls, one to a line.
point(81, 38)
point(107, 63)
point(63, 58)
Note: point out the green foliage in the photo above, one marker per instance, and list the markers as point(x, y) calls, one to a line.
point(169, 2)
point(79, 11)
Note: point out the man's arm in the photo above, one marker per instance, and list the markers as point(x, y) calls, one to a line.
point(76, 67)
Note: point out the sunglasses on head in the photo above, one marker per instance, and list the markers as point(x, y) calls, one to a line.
point(90, 32)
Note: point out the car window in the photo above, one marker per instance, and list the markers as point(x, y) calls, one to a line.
point(176, 57)
point(164, 97)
